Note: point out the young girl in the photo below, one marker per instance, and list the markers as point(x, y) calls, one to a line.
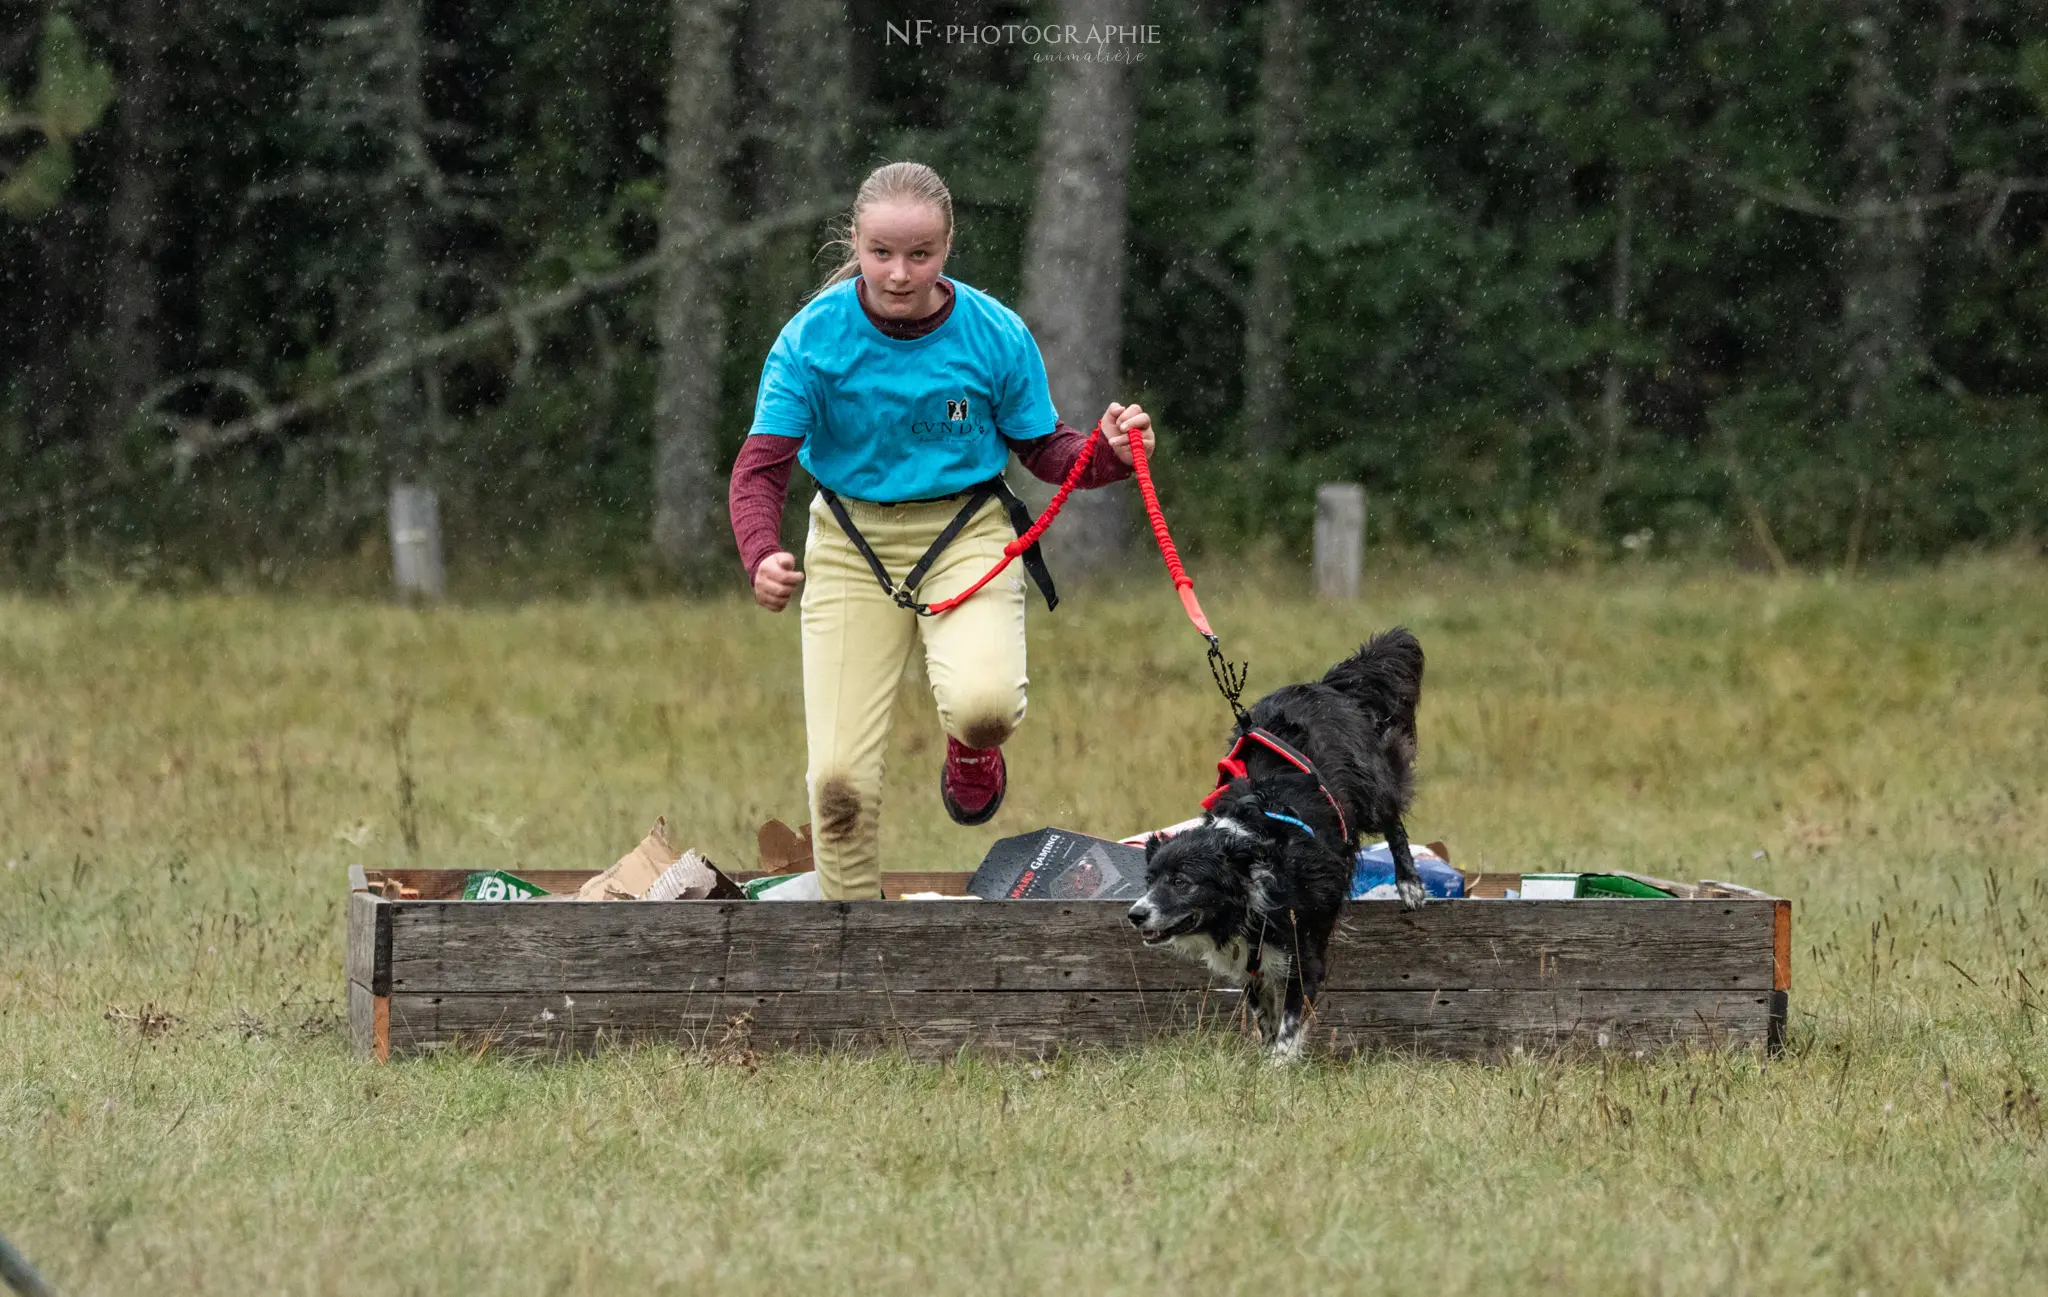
point(903, 393)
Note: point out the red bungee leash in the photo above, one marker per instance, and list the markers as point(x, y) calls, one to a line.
point(1037, 529)
point(1229, 676)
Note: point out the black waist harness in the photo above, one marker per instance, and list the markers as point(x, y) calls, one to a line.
point(905, 594)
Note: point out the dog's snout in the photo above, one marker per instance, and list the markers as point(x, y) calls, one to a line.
point(1140, 914)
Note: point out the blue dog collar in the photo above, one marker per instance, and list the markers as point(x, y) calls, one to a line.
point(1289, 819)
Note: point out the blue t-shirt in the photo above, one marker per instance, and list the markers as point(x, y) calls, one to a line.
point(888, 420)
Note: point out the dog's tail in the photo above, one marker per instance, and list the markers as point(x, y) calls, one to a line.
point(1384, 677)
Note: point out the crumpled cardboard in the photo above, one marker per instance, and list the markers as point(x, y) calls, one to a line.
point(784, 850)
point(639, 869)
point(690, 878)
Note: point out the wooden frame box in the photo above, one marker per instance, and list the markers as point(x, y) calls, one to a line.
point(1463, 978)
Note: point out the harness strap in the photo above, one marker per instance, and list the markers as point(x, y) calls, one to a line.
point(860, 542)
point(1232, 767)
point(975, 499)
point(1033, 556)
point(905, 594)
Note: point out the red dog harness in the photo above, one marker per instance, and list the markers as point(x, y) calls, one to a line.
point(1233, 767)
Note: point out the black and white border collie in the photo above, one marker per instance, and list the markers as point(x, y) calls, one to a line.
point(1255, 889)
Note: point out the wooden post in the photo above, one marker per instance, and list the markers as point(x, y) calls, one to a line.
point(1340, 539)
point(416, 542)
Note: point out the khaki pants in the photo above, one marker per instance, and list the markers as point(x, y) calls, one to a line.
point(857, 643)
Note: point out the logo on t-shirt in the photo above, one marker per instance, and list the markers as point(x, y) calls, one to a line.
point(958, 425)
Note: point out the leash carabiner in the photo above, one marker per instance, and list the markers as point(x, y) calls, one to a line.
point(1229, 677)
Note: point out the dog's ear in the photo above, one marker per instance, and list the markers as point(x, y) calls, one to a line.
point(1152, 841)
point(1244, 854)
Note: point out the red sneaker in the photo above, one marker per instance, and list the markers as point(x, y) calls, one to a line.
point(972, 782)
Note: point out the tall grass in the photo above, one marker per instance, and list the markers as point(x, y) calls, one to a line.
point(185, 780)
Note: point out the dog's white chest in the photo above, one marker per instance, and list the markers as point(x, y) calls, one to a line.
point(1230, 959)
point(1226, 960)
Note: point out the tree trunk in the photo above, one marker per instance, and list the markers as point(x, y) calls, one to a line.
point(1074, 263)
point(1878, 298)
point(134, 366)
point(1884, 260)
point(401, 409)
point(51, 377)
point(798, 59)
point(1877, 270)
point(690, 315)
point(1269, 309)
point(1613, 382)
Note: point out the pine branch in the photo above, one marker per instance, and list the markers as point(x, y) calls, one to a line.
point(1973, 189)
point(199, 440)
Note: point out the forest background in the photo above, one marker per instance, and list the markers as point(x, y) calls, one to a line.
point(1555, 279)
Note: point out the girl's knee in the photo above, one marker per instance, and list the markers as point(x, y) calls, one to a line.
point(984, 721)
point(842, 808)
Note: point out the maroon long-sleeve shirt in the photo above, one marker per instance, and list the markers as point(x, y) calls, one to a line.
point(760, 476)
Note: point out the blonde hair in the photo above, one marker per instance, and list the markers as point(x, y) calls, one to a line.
point(890, 182)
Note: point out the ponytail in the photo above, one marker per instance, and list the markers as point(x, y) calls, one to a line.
point(906, 181)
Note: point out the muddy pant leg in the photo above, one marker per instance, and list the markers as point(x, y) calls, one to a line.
point(975, 653)
point(855, 643)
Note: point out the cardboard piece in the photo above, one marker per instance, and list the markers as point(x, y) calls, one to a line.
point(640, 869)
point(784, 850)
point(1056, 865)
point(635, 872)
point(690, 878)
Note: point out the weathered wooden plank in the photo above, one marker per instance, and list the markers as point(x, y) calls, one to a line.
point(1030, 1023)
point(1478, 1024)
point(1034, 1022)
point(1551, 945)
point(1781, 945)
point(1055, 946)
point(369, 1022)
point(368, 951)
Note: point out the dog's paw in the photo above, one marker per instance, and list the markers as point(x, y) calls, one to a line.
point(1286, 1049)
point(1413, 894)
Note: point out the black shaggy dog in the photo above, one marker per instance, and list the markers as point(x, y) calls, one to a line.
point(1255, 889)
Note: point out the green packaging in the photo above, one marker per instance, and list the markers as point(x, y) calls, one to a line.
point(753, 887)
point(497, 885)
point(1618, 885)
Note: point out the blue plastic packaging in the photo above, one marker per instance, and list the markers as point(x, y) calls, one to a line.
point(1375, 869)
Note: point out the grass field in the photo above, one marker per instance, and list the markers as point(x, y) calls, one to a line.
point(184, 782)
